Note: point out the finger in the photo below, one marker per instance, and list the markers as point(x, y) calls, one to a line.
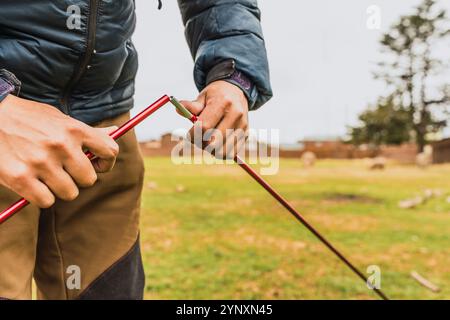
point(81, 169)
point(102, 146)
point(38, 194)
point(108, 130)
point(196, 106)
point(61, 184)
point(215, 143)
point(234, 144)
point(232, 120)
point(103, 165)
point(211, 115)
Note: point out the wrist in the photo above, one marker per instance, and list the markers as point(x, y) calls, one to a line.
point(227, 71)
point(9, 84)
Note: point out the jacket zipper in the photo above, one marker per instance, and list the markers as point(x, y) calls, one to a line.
point(83, 63)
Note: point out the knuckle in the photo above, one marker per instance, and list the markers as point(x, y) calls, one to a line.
point(206, 125)
point(57, 143)
point(227, 101)
point(39, 160)
point(45, 202)
point(239, 113)
point(71, 194)
point(114, 149)
point(20, 175)
point(74, 128)
point(90, 180)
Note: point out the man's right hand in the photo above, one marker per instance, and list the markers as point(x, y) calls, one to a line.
point(41, 151)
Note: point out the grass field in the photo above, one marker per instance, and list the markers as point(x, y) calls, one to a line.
point(210, 232)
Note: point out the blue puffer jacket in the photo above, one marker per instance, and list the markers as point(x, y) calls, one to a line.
point(77, 55)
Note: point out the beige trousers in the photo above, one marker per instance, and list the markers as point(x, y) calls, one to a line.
point(84, 249)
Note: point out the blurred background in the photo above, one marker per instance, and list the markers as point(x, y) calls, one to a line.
point(322, 57)
point(361, 99)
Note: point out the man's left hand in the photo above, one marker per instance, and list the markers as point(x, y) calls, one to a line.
point(221, 106)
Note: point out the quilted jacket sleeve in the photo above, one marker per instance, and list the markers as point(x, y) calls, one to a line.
point(218, 31)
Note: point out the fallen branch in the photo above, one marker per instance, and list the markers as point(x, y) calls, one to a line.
point(424, 282)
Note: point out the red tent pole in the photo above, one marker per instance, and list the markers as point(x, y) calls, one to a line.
point(285, 204)
point(116, 134)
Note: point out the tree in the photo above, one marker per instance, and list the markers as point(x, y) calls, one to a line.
point(411, 71)
point(385, 123)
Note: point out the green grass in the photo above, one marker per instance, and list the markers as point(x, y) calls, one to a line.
point(210, 232)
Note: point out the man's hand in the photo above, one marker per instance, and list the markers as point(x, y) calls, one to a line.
point(221, 106)
point(42, 152)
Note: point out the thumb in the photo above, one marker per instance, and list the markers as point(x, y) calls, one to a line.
point(196, 106)
point(101, 164)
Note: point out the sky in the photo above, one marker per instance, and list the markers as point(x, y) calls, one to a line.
point(321, 56)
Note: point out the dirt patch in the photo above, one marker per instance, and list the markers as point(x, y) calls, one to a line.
point(350, 197)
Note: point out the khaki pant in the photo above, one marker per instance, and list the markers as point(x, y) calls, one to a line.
point(84, 249)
